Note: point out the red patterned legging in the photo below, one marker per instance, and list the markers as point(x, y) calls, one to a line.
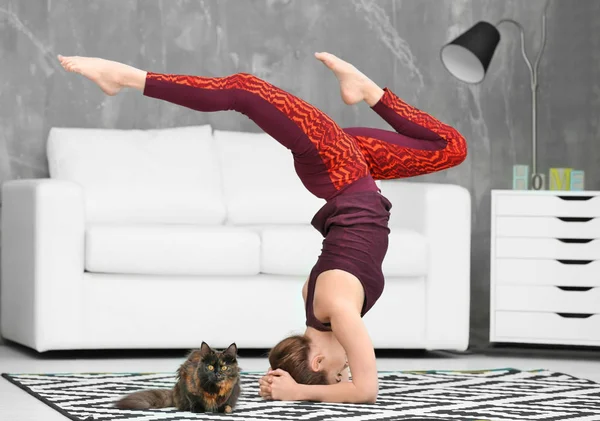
point(327, 158)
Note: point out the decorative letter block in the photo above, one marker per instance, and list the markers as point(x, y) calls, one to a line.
point(577, 180)
point(560, 178)
point(538, 182)
point(520, 177)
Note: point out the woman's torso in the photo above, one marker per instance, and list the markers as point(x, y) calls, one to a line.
point(355, 227)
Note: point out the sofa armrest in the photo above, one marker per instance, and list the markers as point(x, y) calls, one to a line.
point(42, 254)
point(442, 212)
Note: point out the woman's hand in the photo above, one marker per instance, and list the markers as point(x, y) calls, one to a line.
point(278, 385)
point(265, 385)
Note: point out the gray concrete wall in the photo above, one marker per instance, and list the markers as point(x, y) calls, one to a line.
point(395, 42)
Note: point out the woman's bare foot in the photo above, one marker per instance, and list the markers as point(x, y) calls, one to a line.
point(110, 76)
point(354, 85)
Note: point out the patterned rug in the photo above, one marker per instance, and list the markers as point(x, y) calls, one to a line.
point(494, 395)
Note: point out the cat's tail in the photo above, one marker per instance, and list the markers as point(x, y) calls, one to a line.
point(147, 399)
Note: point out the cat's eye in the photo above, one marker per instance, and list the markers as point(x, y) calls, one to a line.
point(224, 368)
point(210, 367)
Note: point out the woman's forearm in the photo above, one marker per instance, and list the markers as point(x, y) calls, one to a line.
point(343, 392)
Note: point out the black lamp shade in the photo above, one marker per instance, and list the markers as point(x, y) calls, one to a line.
point(469, 55)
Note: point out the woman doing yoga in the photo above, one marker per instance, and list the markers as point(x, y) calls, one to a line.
point(335, 164)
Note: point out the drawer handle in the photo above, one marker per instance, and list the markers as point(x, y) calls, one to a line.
point(575, 240)
point(574, 262)
point(574, 315)
point(580, 198)
point(570, 219)
point(581, 289)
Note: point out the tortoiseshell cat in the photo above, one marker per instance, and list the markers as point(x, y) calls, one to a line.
point(208, 381)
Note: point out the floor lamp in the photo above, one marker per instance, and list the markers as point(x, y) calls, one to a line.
point(468, 56)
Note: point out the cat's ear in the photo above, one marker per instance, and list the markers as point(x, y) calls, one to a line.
point(231, 351)
point(205, 349)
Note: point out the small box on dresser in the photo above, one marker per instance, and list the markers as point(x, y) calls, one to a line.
point(545, 267)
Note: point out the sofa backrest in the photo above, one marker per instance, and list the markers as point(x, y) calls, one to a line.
point(142, 176)
point(259, 181)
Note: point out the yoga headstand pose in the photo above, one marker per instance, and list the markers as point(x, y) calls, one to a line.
point(340, 166)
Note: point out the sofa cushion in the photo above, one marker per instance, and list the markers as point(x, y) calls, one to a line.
point(145, 176)
point(407, 254)
point(164, 249)
point(293, 250)
point(260, 183)
point(289, 250)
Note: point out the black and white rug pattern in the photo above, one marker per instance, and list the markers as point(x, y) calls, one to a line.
point(493, 395)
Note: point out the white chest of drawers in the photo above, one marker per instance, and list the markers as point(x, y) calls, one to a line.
point(545, 267)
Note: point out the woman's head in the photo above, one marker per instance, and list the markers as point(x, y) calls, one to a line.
point(310, 360)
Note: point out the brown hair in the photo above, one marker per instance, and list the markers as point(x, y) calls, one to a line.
point(291, 355)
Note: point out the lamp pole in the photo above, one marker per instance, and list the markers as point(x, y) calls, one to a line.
point(536, 179)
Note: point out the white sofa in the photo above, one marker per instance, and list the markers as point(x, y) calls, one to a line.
point(166, 238)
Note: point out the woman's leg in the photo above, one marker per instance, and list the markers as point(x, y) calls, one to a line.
point(326, 158)
point(421, 144)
